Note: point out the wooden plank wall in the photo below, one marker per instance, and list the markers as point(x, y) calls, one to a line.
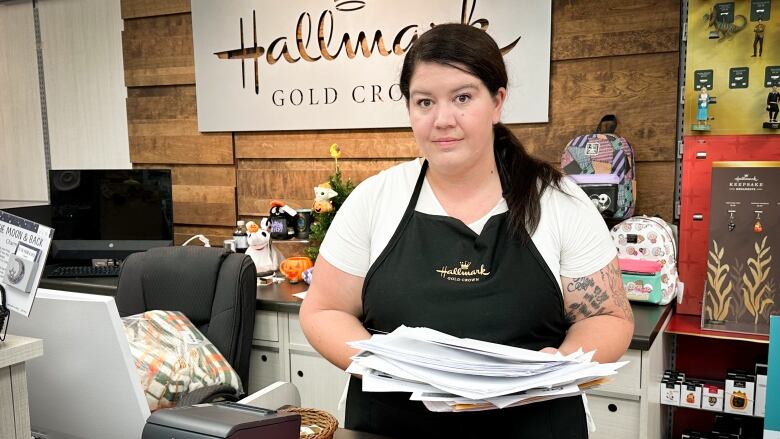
point(608, 56)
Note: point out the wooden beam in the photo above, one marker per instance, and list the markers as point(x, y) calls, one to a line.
point(293, 181)
point(607, 28)
point(641, 90)
point(158, 51)
point(162, 128)
point(374, 144)
point(148, 8)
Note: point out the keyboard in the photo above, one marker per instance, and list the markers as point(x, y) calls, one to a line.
point(85, 271)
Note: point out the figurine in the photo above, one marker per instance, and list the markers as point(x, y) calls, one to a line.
point(322, 196)
point(703, 102)
point(772, 101)
point(759, 38)
point(723, 29)
point(282, 220)
point(703, 105)
point(265, 257)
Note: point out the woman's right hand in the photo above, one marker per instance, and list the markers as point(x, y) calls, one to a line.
point(330, 314)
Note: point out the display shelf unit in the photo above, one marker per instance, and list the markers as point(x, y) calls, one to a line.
point(703, 420)
point(694, 409)
point(707, 355)
point(683, 324)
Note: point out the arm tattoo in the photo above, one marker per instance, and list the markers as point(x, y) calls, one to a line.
point(592, 300)
point(592, 304)
point(614, 279)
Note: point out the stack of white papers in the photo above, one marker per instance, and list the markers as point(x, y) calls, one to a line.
point(448, 373)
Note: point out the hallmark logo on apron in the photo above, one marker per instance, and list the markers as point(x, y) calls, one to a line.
point(462, 273)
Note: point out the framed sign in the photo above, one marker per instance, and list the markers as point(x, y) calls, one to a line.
point(315, 64)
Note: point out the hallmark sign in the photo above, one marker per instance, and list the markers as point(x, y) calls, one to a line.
point(327, 64)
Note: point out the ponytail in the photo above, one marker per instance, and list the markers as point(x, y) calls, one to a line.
point(523, 179)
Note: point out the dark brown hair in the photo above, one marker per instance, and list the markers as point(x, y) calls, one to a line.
point(523, 177)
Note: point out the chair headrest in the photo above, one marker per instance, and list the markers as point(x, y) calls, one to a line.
point(182, 279)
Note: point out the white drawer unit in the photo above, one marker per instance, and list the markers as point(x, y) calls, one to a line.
point(625, 407)
point(281, 352)
point(319, 382)
point(615, 418)
point(297, 338)
point(265, 368)
point(266, 326)
point(628, 379)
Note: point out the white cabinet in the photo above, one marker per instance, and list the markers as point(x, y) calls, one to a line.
point(615, 418)
point(628, 406)
point(264, 368)
point(280, 352)
point(320, 383)
point(625, 407)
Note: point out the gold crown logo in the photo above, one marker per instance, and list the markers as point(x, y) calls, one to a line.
point(465, 265)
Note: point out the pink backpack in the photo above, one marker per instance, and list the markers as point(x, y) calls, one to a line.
point(649, 239)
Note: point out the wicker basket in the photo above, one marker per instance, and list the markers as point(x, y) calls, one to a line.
point(320, 418)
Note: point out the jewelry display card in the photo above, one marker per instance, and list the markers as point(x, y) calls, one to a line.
point(741, 290)
point(772, 76)
point(760, 10)
point(24, 246)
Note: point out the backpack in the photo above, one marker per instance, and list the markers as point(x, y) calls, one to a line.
point(602, 164)
point(647, 253)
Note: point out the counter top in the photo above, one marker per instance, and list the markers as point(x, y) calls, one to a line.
point(648, 319)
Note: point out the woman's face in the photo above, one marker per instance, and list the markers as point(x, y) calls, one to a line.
point(452, 115)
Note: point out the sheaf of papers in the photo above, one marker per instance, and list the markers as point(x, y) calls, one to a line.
point(448, 373)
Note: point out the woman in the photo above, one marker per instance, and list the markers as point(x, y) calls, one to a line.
point(704, 103)
point(543, 271)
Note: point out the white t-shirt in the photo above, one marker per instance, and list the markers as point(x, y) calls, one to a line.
point(571, 237)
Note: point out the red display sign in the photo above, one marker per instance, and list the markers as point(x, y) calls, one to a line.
point(698, 154)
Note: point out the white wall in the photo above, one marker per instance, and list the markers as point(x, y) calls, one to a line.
point(81, 43)
point(85, 83)
point(22, 160)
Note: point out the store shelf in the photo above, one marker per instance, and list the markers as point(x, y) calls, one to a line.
point(691, 325)
point(714, 412)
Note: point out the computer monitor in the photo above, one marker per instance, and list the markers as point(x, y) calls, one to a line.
point(85, 385)
point(108, 214)
point(105, 214)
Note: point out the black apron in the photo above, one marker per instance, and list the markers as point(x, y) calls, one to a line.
point(436, 272)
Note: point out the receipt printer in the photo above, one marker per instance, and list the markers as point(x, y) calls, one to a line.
point(221, 420)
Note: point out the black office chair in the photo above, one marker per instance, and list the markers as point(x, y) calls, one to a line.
point(214, 289)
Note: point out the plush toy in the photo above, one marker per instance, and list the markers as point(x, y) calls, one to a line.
point(322, 196)
point(282, 218)
point(265, 257)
